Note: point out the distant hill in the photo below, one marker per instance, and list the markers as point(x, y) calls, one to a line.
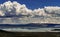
point(29, 25)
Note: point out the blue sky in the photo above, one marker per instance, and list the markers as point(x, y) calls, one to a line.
point(34, 4)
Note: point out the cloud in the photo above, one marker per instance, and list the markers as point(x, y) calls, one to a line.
point(16, 9)
point(13, 8)
point(52, 10)
point(49, 14)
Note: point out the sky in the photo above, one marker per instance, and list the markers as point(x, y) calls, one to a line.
point(34, 4)
point(47, 10)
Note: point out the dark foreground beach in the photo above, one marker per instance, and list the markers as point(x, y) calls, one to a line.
point(29, 34)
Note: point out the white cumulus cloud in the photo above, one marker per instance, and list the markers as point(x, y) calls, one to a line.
point(49, 14)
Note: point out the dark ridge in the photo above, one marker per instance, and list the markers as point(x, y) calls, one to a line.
point(29, 25)
point(55, 30)
point(29, 34)
point(2, 31)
